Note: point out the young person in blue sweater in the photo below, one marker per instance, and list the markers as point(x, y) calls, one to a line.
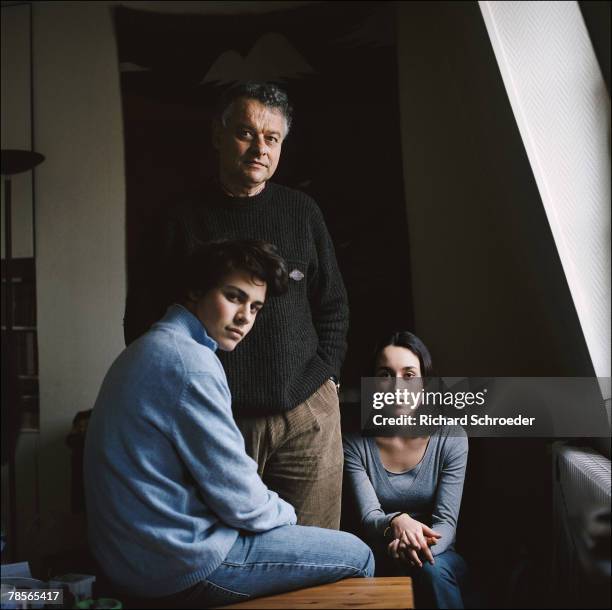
point(408, 489)
point(176, 510)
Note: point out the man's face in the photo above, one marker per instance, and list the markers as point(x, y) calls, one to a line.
point(249, 145)
point(228, 311)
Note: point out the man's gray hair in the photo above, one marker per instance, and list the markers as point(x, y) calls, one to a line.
point(268, 94)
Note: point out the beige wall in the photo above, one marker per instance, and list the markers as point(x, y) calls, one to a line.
point(490, 296)
point(80, 225)
point(15, 118)
point(80, 214)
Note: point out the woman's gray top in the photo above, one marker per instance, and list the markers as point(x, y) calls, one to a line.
point(430, 492)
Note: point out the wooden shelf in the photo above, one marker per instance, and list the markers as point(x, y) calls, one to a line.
point(23, 359)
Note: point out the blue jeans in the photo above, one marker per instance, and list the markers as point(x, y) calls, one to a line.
point(282, 559)
point(439, 586)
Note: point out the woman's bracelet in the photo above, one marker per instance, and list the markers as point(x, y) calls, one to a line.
point(388, 528)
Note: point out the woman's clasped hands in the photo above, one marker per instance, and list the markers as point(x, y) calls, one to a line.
point(411, 540)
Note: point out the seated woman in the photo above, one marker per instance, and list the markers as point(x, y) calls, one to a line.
point(176, 510)
point(408, 490)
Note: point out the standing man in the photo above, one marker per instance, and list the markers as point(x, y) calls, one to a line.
point(284, 380)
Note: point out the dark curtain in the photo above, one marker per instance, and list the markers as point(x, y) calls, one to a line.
point(338, 63)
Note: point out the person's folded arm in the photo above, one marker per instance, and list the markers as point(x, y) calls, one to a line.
point(212, 448)
point(373, 518)
point(447, 502)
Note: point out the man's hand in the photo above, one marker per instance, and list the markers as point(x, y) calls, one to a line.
point(413, 537)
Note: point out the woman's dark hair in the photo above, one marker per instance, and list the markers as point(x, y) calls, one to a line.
point(210, 263)
point(406, 339)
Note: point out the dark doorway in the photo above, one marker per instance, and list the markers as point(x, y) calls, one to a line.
point(338, 63)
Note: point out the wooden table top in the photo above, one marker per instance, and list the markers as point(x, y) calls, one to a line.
point(394, 593)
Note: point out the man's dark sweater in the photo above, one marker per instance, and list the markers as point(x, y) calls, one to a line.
point(299, 339)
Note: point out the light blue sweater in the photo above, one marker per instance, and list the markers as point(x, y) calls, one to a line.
point(168, 483)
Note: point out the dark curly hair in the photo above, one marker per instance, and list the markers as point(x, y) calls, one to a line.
point(210, 263)
point(268, 94)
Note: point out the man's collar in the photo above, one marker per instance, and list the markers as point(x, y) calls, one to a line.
point(182, 319)
point(230, 193)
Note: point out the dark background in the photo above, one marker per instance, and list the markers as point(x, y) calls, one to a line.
point(339, 67)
